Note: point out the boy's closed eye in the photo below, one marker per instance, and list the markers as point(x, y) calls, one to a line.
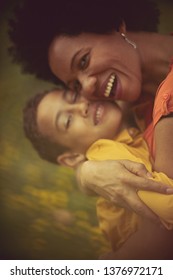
point(68, 121)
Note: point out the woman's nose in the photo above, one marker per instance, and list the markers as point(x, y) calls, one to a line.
point(87, 85)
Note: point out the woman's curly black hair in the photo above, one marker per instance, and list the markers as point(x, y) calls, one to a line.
point(37, 22)
point(47, 149)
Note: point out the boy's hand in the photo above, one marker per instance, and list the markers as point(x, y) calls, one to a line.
point(118, 181)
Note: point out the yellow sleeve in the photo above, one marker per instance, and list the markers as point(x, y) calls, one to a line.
point(116, 223)
point(161, 204)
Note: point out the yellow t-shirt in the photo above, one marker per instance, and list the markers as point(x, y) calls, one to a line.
point(118, 223)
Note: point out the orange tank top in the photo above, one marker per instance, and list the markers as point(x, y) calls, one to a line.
point(163, 106)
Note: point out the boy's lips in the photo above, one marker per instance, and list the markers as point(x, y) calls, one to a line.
point(98, 112)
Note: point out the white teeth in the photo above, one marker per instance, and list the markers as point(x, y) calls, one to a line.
point(109, 85)
point(98, 114)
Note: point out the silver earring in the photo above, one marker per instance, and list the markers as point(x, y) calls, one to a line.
point(128, 41)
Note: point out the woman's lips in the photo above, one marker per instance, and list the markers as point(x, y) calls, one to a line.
point(111, 89)
point(110, 84)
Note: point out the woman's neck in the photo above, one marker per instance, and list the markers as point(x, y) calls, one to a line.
point(155, 51)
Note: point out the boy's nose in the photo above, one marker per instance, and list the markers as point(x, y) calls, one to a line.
point(81, 108)
point(88, 85)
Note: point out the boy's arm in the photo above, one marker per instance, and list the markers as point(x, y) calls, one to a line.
point(164, 146)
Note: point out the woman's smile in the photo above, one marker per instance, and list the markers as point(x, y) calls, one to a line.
point(110, 84)
point(111, 88)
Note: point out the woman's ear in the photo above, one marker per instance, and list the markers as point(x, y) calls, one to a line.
point(70, 159)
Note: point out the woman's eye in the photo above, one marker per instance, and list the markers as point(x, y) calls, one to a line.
point(84, 61)
point(68, 122)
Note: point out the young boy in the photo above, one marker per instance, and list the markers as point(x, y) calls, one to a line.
point(66, 128)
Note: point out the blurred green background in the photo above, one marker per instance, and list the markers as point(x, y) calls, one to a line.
point(42, 214)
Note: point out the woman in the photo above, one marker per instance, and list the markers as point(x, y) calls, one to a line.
point(132, 63)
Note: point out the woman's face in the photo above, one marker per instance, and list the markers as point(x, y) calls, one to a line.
point(97, 66)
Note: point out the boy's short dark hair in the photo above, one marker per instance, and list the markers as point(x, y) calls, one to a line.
point(37, 22)
point(46, 148)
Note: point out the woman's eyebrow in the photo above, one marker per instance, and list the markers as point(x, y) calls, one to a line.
point(73, 59)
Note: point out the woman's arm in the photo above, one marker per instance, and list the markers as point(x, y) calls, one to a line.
point(117, 181)
point(150, 242)
point(164, 146)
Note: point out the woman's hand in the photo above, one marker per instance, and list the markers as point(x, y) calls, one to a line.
point(118, 181)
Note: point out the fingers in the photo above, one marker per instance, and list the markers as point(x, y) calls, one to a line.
point(138, 169)
point(143, 179)
point(150, 185)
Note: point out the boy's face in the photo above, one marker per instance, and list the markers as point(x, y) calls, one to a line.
point(75, 123)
